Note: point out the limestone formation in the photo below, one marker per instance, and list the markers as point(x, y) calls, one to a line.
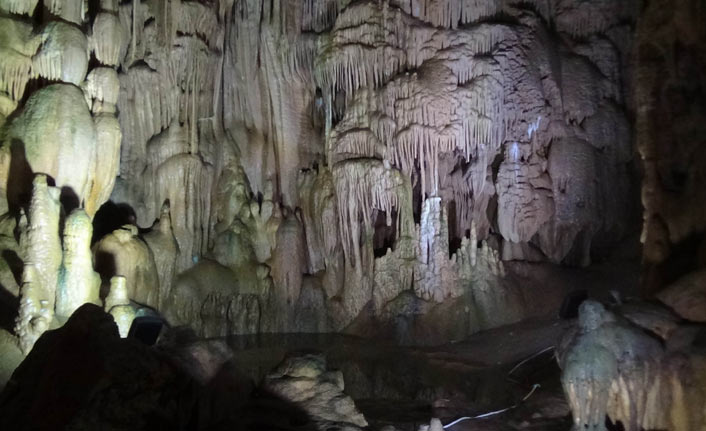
point(42, 256)
point(326, 155)
point(63, 52)
point(305, 381)
point(687, 296)
point(117, 304)
point(611, 367)
point(165, 250)
point(125, 254)
point(59, 112)
point(209, 299)
point(78, 282)
point(669, 131)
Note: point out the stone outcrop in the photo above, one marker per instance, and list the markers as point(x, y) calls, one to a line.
point(613, 368)
point(305, 381)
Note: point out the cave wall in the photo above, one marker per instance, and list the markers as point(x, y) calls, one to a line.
point(325, 165)
point(670, 90)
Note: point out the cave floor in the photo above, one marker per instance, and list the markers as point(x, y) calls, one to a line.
point(405, 386)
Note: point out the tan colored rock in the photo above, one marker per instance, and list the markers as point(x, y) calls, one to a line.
point(17, 46)
point(107, 39)
point(102, 89)
point(125, 254)
point(165, 250)
point(106, 164)
point(10, 356)
point(687, 296)
point(58, 111)
point(117, 304)
point(73, 11)
point(306, 381)
point(18, 6)
point(63, 53)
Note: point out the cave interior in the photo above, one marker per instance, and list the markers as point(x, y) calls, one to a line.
point(346, 215)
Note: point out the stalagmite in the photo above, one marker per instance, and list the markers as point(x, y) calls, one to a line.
point(123, 253)
point(435, 278)
point(165, 250)
point(78, 283)
point(42, 259)
point(117, 303)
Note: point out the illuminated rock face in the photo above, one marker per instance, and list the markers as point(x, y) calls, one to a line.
point(42, 260)
point(329, 161)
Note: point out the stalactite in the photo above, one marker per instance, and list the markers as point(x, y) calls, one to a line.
point(197, 19)
point(14, 73)
point(62, 55)
point(362, 185)
point(107, 39)
point(19, 7)
point(69, 10)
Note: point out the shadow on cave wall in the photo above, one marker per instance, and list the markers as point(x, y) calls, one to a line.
point(111, 216)
point(19, 180)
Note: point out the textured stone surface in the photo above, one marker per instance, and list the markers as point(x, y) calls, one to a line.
point(327, 164)
point(305, 381)
point(670, 126)
point(611, 367)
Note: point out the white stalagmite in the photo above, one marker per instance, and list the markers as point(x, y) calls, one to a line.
point(180, 179)
point(165, 250)
point(435, 278)
point(42, 259)
point(78, 283)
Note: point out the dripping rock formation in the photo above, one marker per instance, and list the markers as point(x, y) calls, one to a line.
point(416, 171)
point(316, 166)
